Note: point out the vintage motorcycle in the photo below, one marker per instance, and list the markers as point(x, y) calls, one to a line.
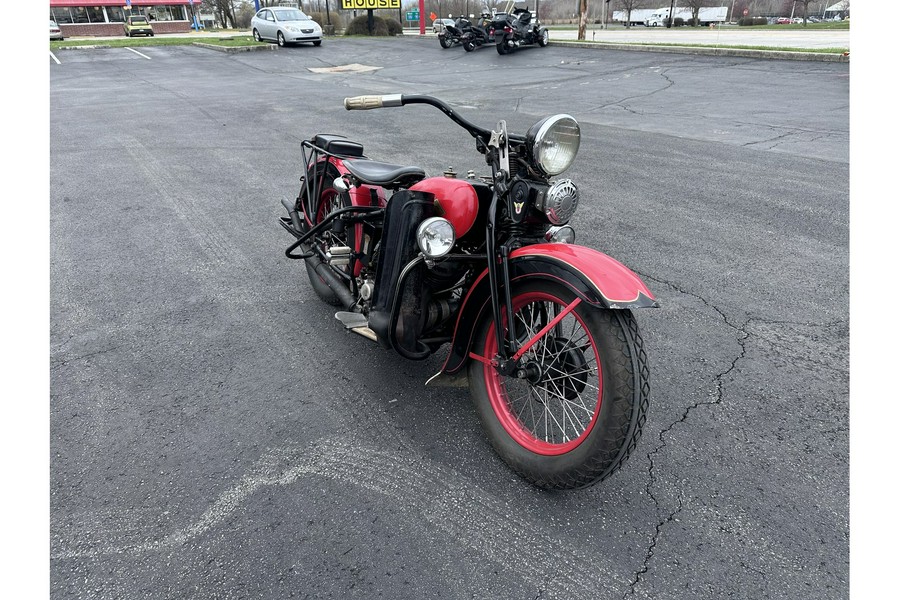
point(517, 28)
point(541, 328)
point(479, 34)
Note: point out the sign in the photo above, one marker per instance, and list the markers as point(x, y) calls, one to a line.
point(369, 4)
point(746, 12)
point(412, 16)
point(433, 16)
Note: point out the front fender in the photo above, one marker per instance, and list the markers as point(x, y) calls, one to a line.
point(596, 278)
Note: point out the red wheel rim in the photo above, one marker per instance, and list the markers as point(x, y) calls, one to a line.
point(555, 414)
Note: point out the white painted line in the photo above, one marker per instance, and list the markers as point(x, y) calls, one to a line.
point(53, 56)
point(138, 53)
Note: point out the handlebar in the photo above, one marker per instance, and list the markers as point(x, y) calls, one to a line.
point(372, 102)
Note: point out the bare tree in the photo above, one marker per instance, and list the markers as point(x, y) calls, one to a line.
point(582, 19)
point(695, 6)
point(630, 5)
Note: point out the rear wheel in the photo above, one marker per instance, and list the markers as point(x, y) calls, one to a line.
point(468, 46)
point(575, 410)
point(256, 36)
point(544, 38)
point(502, 48)
point(445, 41)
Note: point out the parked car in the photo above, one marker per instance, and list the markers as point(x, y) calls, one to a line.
point(55, 32)
point(783, 21)
point(285, 25)
point(138, 25)
point(797, 20)
point(439, 25)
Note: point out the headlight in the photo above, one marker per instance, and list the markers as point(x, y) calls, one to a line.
point(436, 237)
point(292, 28)
point(554, 143)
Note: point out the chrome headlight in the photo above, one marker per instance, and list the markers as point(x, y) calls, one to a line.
point(560, 202)
point(436, 237)
point(554, 143)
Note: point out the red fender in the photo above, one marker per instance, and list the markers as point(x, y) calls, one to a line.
point(596, 278)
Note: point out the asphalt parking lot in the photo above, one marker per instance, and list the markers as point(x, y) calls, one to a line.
point(216, 434)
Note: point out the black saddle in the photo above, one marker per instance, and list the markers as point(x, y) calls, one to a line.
point(383, 174)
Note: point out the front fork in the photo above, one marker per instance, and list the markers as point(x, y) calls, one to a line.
point(509, 351)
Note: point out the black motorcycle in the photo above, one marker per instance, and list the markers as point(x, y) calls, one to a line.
point(480, 34)
point(453, 34)
point(518, 27)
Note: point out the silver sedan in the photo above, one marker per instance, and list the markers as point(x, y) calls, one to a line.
point(285, 26)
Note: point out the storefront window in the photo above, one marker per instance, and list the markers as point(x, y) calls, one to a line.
point(79, 15)
point(164, 13)
point(61, 15)
point(115, 14)
point(95, 14)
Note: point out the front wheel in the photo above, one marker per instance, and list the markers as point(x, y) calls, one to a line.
point(281, 41)
point(468, 46)
point(317, 43)
point(544, 38)
point(256, 36)
point(446, 42)
point(574, 411)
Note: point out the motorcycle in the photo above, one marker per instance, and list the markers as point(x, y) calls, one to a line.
point(541, 329)
point(479, 34)
point(453, 34)
point(516, 28)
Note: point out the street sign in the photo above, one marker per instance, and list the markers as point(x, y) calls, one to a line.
point(412, 16)
point(369, 4)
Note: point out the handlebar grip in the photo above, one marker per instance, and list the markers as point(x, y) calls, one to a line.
point(370, 102)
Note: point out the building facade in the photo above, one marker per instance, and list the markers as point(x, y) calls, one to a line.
point(106, 17)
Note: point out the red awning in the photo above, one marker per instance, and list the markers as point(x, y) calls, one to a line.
point(60, 3)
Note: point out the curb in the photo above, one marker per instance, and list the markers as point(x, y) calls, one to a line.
point(724, 51)
point(232, 49)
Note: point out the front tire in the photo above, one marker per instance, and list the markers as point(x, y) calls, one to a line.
point(445, 41)
point(317, 43)
point(281, 41)
point(468, 46)
point(578, 414)
point(544, 38)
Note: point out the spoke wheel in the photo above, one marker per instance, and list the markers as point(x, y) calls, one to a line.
point(574, 412)
point(554, 409)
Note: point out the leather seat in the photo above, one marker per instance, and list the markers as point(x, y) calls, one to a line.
point(384, 174)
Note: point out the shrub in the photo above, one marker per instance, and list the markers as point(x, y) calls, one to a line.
point(322, 19)
point(381, 26)
point(749, 21)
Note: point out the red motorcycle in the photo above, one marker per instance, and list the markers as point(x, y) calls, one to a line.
point(542, 328)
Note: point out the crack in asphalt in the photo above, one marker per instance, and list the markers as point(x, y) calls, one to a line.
point(716, 398)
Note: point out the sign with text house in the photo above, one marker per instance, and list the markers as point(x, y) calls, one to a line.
point(369, 4)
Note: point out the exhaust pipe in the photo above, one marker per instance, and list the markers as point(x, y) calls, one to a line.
point(331, 280)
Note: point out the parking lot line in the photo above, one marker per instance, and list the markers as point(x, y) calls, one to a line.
point(53, 56)
point(138, 53)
